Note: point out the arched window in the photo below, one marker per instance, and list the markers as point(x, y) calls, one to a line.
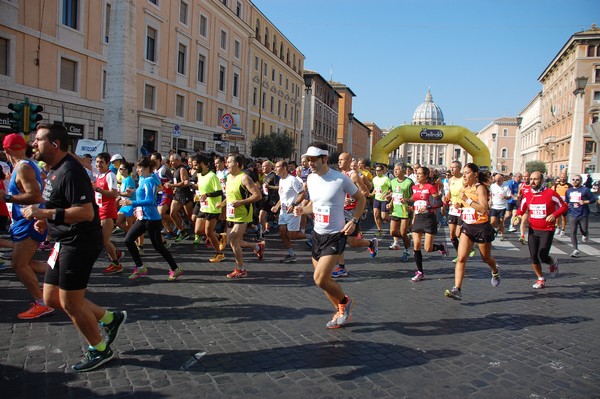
point(258, 28)
point(504, 153)
point(274, 44)
point(266, 37)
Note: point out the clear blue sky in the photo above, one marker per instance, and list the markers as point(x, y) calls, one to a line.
point(481, 58)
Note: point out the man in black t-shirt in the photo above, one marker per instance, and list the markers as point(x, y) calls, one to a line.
point(71, 216)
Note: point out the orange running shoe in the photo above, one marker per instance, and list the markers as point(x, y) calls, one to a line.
point(237, 273)
point(260, 252)
point(113, 268)
point(36, 310)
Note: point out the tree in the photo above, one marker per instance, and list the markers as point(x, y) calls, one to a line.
point(536, 166)
point(273, 146)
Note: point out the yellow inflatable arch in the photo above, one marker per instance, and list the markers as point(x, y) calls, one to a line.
point(432, 135)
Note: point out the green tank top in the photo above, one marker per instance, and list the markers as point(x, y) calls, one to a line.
point(381, 185)
point(209, 183)
point(236, 192)
point(400, 190)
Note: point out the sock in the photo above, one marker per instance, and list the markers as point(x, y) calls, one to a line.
point(342, 266)
point(40, 302)
point(438, 247)
point(455, 243)
point(108, 317)
point(291, 252)
point(344, 301)
point(101, 347)
point(419, 260)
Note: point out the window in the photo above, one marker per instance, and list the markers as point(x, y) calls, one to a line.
point(149, 96)
point(203, 25)
point(256, 63)
point(199, 146)
point(107, 24)
point(104, 74)
point(280, 79)
point(222, 72)
point(155, 2)
point(226, 2)
point(236, 49)
point(201, 68)
point(238, 9)
point(254, 96)
point(179, 105)
point(68, 74)
point(4, 44)
point(223, 40)
point(264, 100)
point(597, 97)
point(179, 142)
point(151, 36)
point(590, 147)
point(199, 111)
point(504, 153)
point(272, 104)
point(236, 82)
point(183, 12)
point(504, 132)
point(597, 75)
point(278, 107)
point(220, 113)
point(266, 69)
point(70, 13)
point(181, 59)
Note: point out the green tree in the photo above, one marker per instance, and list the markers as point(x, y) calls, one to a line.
point(536, 166)
point(273, 146)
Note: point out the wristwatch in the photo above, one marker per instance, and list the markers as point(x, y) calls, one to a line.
point(355, 220)
point(7, 197)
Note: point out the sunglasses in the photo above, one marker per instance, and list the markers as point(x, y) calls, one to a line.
point(576, 179)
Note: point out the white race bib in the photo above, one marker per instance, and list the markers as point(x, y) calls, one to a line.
point(98, 197)
point(204, 205)
point(321, 215)
point(420, 206)
point(54, 255)
point(468, 215)
point(454, 211)
point(138, 212)
point(397, 198)
point(575, 196)
point(537, 211)
point(230, 211)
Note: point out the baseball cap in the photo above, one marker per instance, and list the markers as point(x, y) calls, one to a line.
point(116, 157)
point(14, 141)
point(315, 152)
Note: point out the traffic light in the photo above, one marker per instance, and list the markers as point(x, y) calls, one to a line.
point(16, 117)
point(34, 117)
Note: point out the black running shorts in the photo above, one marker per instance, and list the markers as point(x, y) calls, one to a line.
point(327, 244)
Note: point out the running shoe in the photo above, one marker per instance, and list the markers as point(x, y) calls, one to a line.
point(4, 266)
point(584, 239)
point(170, 235)
point(138, 272)
point(289, 259)
point(454, 293)
point(472, 253)
point(405, 256)
point(167, 244)
point(554, 267)
point(45, 246)
point(343, 315)
point(197, 240)
point(222, 241)
point(496, 277)
point(374, 247)
point(395, 246)
point(539, 284)
point(512, 229)
point(522, 240)
point(217, 258)
point(444, 251)
point(93, 359)
point(575, 253)
point(418, 277)
point(562, 233)
point(113, 268)
point(182, 236)
point(174, 274)
point(260, 252)
point(502, 237)
point(455, 260)
point(112, 329)
point(36, 310)
point(339, 272)
point(237, 273)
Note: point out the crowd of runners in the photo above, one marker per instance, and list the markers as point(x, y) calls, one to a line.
point(75, 205)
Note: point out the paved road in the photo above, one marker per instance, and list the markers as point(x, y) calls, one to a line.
point(265, 336)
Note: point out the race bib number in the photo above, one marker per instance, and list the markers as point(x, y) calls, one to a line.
point(204, 205)
point(377, 190)
point(54, 255)
point(230, 211)
point(537, 211)
point(265, 190)
point(575, 197)
point(454, 211)
point(420, 206)
point(397, 198)
point(197, 195)
point(9, 205)
point(98, 197)
point(321, 214)
point(138, 212)
point(468, 216)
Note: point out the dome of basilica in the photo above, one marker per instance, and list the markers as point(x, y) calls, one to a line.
point(428, 113)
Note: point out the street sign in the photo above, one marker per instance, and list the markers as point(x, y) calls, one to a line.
point(226, 121)
point(176, 131)
point(235, 130)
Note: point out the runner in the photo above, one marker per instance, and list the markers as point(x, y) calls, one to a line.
point(163, 172)
point(24, 189)
point(73, 221)
point(401, 190)
point(524, 191)
point(452, 197)
point(328, 189)
point(222, 172)
point(381, 190)
point(513, 204)
point(242, 192)
point(182, 196)
point(500, 194)
point(476, 227)
point(544, 206)
point(106, 197)
point(291, 194)
point(561, 187)
point(148, 219)
point(579, 199)
point(270, 196)
point(424, 221)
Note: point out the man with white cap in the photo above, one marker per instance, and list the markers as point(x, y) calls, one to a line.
point(116, 161)
point(25, 189)
point(328, 189)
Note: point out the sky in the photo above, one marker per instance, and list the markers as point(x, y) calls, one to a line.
point(481, 59)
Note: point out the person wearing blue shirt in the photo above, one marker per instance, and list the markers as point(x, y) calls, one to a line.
point(578, 197)
point(512, 204)
point(148, 219)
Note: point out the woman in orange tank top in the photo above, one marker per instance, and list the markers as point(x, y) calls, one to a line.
point(476, 227)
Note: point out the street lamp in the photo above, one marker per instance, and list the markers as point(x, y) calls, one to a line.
point(350, 120)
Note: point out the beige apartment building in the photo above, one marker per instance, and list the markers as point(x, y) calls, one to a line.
point(171, 69)
point(345, 117)
point(571, 101)
point(500, 137)
point(528, 134)
point(276, 81)
point(320, 118)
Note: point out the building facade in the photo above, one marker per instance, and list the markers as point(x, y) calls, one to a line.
point(320, 111)
point(500, 137)
point(571, 101)
point(360, 139)
point(527, 142)
point(345, 117)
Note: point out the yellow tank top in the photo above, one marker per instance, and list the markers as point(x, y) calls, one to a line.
point(456, 184)
point(469, 215)
point(235, 192)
